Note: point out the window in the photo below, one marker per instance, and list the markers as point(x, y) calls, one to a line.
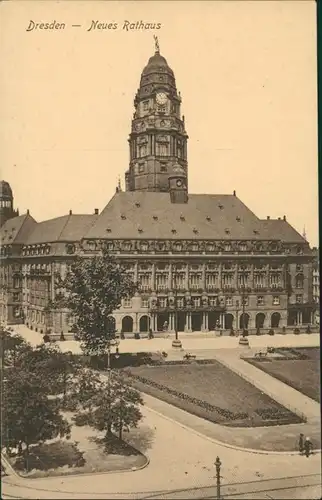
point(299, 281)
point(161, 281)
point(227, 279)
point(259, 280)
point(212, 280)
point(196, 301)
point(242, 247)
point(194, 247)
point(213, 301)
point(163, 168)
point(299, 299)
point(179, 281)
point(145, 303)
point(127, 302)
point(260, 300)
point(229, 301)
point(142, 152)
point(276, 300)
point(180, 302)
point(227, 247)
point(195, 280)
point(299, 267)
point(145, 105)
point(141, 168)
point(242, 280)
point(163, 302)
point(16, 297)
point(145, 281)
point(162, 149)
point(178, 247)
point(299, 250)
point(275, 280)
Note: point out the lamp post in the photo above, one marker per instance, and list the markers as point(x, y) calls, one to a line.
point(176, 341)
point(243, 340)
point(218, 465)
point(111, 343)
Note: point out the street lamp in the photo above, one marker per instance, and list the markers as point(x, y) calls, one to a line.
point(243, 340)
point(176, 341)
point(218, 477)
point(111, 343)
point(237, 310)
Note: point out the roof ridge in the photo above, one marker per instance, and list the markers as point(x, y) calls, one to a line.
point(61, 232)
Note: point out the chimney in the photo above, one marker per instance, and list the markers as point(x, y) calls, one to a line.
point(70, 212)
point(27, 211)
point(279, 218)
point(96, 212)
point(234, 193)
point(268, 217)
point(284, 217)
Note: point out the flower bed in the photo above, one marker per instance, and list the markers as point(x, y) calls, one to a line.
point(213, 392)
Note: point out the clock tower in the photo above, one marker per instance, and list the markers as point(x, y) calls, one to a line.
point(158, 139)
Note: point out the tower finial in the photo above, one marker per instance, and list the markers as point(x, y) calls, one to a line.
point(157, 46)
point(119, 183)
point(304, 233)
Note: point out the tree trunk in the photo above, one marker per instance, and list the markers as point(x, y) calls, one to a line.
point(120, 430)
point(19, 448)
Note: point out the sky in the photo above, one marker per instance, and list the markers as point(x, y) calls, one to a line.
point(246, 71)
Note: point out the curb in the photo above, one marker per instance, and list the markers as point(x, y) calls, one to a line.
point(226, 445)
point(61, 476)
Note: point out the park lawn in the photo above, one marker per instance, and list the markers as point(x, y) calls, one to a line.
point(301, 374)
point(217, 385)
point(84, 453)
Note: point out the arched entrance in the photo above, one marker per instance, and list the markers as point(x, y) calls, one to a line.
point(127, 324)
point(260, 319)
point(161, 319)
point(275, 320)
point(213, 317)
point(181, 321)
point(196, 322)
point(243, 321)
point(144, 324)
point(229, 321)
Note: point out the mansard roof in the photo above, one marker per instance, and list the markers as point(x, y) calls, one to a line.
point(144, 215)
point(282, 230)
point(70, 227)
point(17, 229)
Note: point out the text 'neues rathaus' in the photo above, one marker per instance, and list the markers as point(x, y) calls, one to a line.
point(206, 256)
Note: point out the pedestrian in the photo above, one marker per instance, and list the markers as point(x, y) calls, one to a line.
point(307, 447)
point(301, 443)
point(150, 333)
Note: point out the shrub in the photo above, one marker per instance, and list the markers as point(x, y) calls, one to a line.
point(137, 336)
point(46, 338)
point(258, 331)
point(80, 419)
point(271, 332)
point(296, 331)
point(232, 332)
point(308, 329)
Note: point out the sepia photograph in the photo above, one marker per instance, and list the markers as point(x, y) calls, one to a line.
point(159, 250)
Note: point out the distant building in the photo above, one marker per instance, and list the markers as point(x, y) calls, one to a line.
point(316, 283)
point(206, 253)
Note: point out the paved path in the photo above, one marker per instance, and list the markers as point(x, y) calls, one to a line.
point(191, 343)
point(282, 393)
point(180, 458)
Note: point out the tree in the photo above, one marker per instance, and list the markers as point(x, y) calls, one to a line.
point(12, 345)
point(29, 416)
point(92, 290)
point(111, 405)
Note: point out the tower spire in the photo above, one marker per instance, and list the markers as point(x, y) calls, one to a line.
point(304, 233)
point(157, 46)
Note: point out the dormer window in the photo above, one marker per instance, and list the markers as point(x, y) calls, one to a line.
point(108, 230)
point(123, 217)
point(255, 231)
point(137, 204)
point(238, 218)
point(195, 230)
point(173, 231)
point(227, 231)
point(145, 105)
point(221, 206)
point(208, 218)
point(182, 217)
point(155, 217)
point(140, 229)
point(227, 247)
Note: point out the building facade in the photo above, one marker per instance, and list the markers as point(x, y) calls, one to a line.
point(203, 260)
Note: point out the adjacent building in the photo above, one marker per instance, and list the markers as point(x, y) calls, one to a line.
point(203, 258)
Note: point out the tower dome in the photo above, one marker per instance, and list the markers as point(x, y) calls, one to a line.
point(156, 64)
point(5, 191)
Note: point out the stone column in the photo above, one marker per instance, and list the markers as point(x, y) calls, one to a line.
point(222, 321)
point(153, 287)
point(203, 277)
point(170, 280)
point(187, 278)
point(219, 276)
point(205, 322)
point(188, 322)
point(300, 318)
point(136, 271)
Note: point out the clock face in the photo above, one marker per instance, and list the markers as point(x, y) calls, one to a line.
point(161, 98)
point(179, 182)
